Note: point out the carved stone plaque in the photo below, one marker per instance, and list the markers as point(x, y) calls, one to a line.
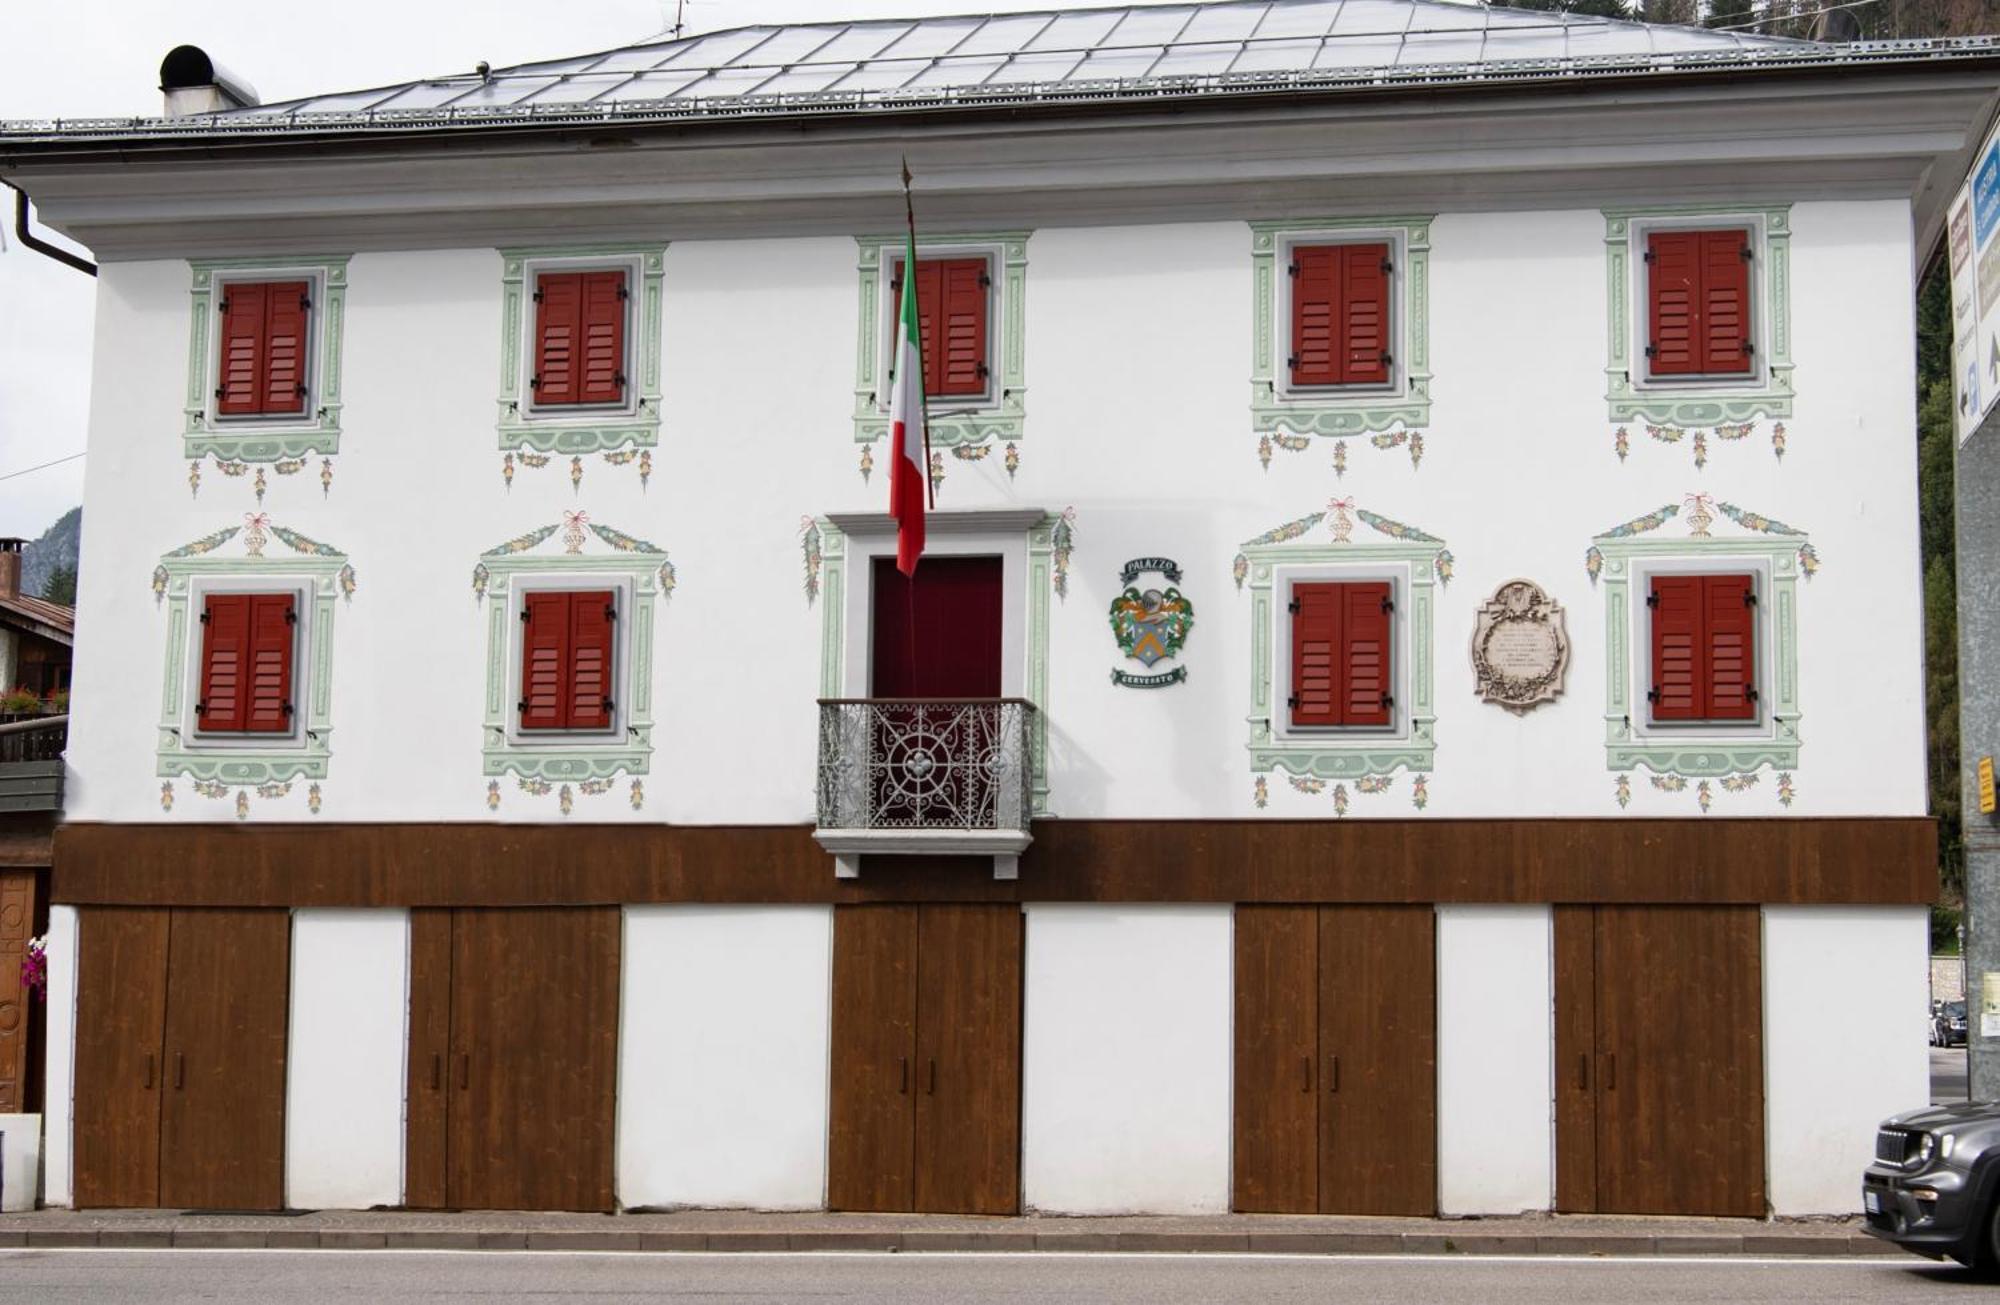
point(1520, 649)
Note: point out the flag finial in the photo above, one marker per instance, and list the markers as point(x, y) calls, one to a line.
point(906, 172)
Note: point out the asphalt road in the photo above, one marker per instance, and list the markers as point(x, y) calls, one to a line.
point(1948, 1074)
point(51, 1277)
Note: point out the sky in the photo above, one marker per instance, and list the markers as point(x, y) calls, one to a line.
point(102, 57)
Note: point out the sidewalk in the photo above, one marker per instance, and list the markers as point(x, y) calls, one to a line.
point(747, 1231)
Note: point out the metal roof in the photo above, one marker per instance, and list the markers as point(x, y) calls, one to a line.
point(1131, 52)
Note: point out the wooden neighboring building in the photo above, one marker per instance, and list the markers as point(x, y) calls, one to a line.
point(528, 782)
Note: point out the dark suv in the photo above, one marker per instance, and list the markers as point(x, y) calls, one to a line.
point(1934, 1183)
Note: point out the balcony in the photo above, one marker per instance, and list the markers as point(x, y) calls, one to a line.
point(903, 776)
point(31, 763)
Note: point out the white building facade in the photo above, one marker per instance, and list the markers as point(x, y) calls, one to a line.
point(563, 679)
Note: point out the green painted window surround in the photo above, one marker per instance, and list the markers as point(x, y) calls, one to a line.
point(265, 439)
point(1358, 411)
point(1001, 418)
point(319, 578)
point(1332, 754)
point(833, 646)
point(584, 432)
point(1695, 750)
point(570, 758)
point(1699, 402)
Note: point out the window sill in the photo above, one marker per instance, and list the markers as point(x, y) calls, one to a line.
point(1340, 413)
point(257, 441)
point(1001, 422)
point(1703, 402)
point(1342, 757)
point(243, 765)
point(1704, 758)
point(570, 761)
point(587, 431)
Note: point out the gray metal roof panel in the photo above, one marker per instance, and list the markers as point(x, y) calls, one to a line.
point(1207, 47)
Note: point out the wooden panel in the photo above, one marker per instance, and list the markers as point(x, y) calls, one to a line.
point(121, 1016)
point(872, 1139)
point(534, 1059)
point(430, 1046)
point(1378, 1034)
point(969, 1048)
point(222, 1115)
point(1680, 1094)
point(1275, 1151)
point(1576, 1053)
point(17, 1006)
point(1890, 860)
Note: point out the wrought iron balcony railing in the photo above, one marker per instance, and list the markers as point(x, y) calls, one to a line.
point(909, 775)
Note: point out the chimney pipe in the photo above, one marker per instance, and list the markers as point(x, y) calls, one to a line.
point(10, 566)
point(194, 83)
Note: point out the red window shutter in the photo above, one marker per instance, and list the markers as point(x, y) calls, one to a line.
point(602, 332)
point(592, 625)
point(1730, 642)
point(545, 638)
point(930, 292)
point(1676, 692)
point(1364, 653)
point(1673, 263)
point(267, 698)
point(225, 658)
point(1364, 314)
point(961, 364)
point(1316, 644)
point(282, 376)
point(1725, 301)
point(558, 334)
point(1317, 345)
point(239, 381)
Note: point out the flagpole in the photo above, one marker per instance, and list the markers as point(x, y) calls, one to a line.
point(910, 286)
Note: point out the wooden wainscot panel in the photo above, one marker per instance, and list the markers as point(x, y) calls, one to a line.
point(1888, 861)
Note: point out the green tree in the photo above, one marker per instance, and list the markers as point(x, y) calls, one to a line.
point(60, 587)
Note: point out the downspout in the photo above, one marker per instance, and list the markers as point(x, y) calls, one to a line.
point(42, 246)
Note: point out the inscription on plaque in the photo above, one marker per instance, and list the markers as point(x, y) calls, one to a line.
point(1520, 648)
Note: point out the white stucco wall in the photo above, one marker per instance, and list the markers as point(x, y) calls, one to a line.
point(722, 1056)
point(1126, 1059)
point(1518, 474)
point(345, 1070)
point(1844, 1047)
point(59, 1091)
point(1495, 1044)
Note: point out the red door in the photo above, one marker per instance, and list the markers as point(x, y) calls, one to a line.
point(938, 635)
point(935, 637)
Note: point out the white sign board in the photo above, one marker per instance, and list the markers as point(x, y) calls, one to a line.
point(1973, 240)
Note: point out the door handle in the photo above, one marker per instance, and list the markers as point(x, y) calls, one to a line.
point(1610, 1072)
point(1305, 1073)
point(903, 1075)
point(1333, 1073)
point(437, 1070)
point(1583, 1072)
point(931, 1088)
point(180, 1071)
point(464, 1070)
point(148, 1085)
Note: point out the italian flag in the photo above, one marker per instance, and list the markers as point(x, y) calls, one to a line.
point(909, 473)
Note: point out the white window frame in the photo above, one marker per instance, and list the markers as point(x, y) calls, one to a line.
point(1644, 727)
point(533, 411)
point(621, 659)
point(891, 322)
point(1283, 579)
point(1289, 241)
point(1640, 296)
point(301, 588)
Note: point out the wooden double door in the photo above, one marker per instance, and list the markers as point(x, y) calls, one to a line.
point(926, 1099)
point(1335, 1060)
point(180, 1058)
point(1659, 1060)
point(513, 1058)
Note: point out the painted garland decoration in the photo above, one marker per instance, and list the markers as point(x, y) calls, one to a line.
point(236, 469)
point(1292, 442)
point(1698, 441)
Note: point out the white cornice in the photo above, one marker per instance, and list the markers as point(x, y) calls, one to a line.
point(1871, 136)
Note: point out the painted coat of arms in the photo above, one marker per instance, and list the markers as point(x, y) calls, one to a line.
point(1151, 626)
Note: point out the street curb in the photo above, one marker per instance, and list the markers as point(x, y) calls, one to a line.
point(950, 1241)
